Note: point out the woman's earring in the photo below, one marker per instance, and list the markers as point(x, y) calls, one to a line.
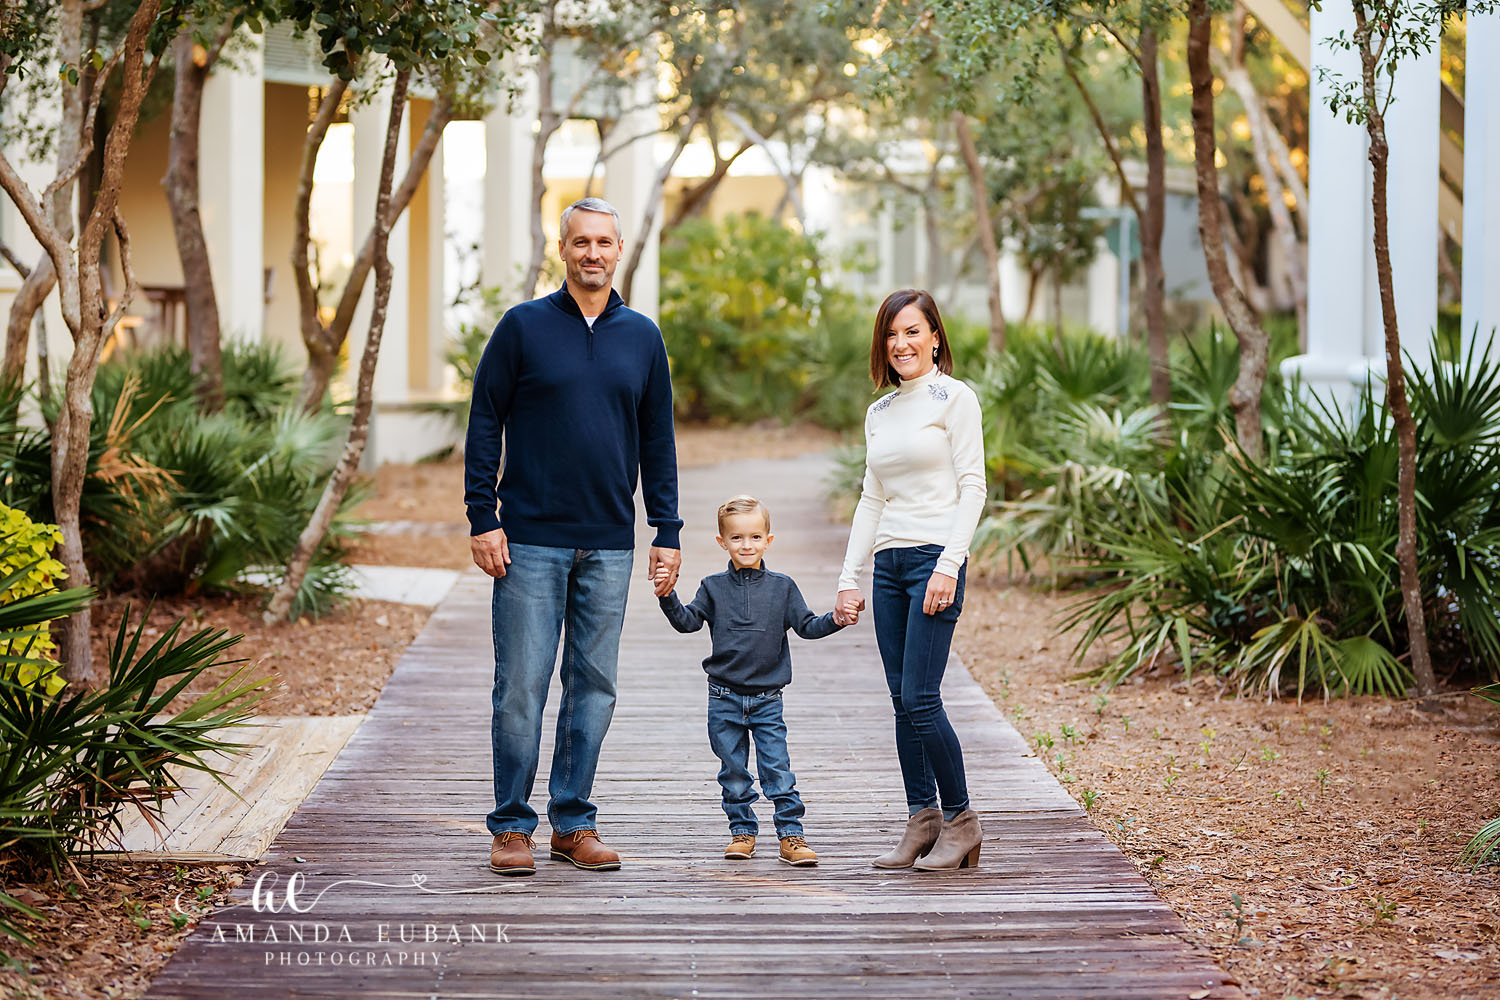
point(934, 354)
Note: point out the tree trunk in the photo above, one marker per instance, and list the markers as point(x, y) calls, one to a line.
point(1254, 345)
point(653, 205)
point(1153, 222)
point(985, 226)
point(933, 227)
point(323, 357)
point(91, 321)
point(35, 287)
point(695, 198)
point(310, 396)
point(1237, 78)
point(1395, 375)
point(1033, 275)
point(548, 122)
point(181, 184)
point(359, 426)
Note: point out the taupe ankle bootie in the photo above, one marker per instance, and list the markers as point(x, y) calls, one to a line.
point(957, 846)
point(921, 833)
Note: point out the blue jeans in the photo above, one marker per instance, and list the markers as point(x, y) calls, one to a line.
point(578, 594)
point(733, 720)
point(914, 649)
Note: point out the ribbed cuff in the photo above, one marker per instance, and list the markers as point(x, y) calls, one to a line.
point(482, 521)
point(668, 536)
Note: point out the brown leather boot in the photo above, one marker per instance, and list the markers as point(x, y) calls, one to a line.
point(922, 831)
point(585, 850)
point(957, 846)
point(510, 854)
point(741, 847)
point(794, 851)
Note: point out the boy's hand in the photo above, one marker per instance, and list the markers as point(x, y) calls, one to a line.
point(661, 561)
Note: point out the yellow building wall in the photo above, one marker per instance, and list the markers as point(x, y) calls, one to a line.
point(286, 125)
point(143, 206)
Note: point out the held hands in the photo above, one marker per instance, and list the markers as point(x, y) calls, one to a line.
point(491, 552)
point(662, 567)
point(940, 591)
point(847, 605)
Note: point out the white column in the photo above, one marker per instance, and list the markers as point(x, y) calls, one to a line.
point(370, 118)
point(1013, 281)
point(1104, 290)
point(1339, 248)
point(1412, 204)
point(628, 179)
point(231, 186)
point(37, 174)
point(437, 331)
point(1481, 274)
point(508, 140)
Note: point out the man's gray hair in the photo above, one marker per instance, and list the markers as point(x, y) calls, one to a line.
point(591, 205)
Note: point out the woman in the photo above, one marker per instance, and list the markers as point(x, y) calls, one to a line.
point(923, 493)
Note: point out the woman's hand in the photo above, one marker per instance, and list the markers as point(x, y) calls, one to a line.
point(847, 605)
point(940, 591)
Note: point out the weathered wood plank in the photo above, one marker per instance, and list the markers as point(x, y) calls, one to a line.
point(394, 837)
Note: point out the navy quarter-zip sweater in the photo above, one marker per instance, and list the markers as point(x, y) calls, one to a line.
point(748, 612)
point(584, 413)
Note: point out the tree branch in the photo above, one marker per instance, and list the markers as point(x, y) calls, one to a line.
point(1126, 188)
point(70, 173)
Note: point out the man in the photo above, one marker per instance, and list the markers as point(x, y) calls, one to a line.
point(578, 385)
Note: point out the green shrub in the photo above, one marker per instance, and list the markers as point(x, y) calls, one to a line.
point(753, 330)
point(28, 569)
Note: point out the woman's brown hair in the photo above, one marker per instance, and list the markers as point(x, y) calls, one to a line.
point(881, 371)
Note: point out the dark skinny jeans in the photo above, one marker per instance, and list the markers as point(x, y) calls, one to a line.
point(914, 648)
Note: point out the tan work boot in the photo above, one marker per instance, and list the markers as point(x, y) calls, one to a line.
point(794, 851)
point(741, 847)
point(585, 850)
point(510, 854)
point(921, 833)
point(957, 846)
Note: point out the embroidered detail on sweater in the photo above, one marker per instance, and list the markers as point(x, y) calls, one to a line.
point(886, 401)
point(936, 391)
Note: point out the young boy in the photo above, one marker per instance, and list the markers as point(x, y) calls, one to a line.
point(749, 610)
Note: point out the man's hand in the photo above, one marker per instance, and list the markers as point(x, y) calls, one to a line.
point(491, 552)
point(847, 605)
point(662, 567)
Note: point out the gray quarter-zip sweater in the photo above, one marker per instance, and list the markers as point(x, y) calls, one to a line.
point(748, 612)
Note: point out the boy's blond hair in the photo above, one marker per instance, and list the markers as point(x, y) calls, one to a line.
point(743, 504)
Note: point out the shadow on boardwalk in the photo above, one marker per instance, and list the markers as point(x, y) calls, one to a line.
point(1054, 910)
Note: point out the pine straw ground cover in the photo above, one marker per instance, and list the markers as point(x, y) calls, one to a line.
point(1338, 824)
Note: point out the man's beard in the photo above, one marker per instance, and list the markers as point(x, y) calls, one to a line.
point(593, 281)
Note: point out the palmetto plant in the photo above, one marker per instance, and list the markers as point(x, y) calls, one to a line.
point(72, 760)
point(1279, 572)
point(175, 498)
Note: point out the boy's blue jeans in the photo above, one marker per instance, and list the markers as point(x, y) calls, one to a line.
point(733, 720)
point(914, 648)
point(578, 594)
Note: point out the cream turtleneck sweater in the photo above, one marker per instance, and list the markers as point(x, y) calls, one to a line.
point(924, 474)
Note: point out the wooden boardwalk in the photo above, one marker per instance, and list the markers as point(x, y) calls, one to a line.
point(1053, 911)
